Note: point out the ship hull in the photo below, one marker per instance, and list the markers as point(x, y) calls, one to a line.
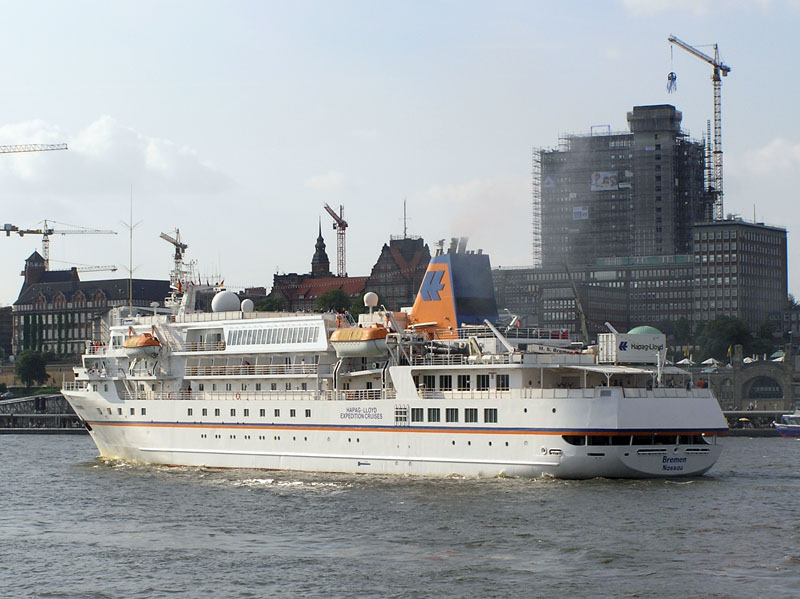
point(529, 440)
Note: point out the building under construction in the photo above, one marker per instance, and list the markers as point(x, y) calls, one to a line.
point(622, 233)
point(631, 193)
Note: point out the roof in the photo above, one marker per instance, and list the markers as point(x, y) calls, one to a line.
point(113, 289)
point(313, 287)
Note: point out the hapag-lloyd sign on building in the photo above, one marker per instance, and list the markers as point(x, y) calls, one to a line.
point(633, 349)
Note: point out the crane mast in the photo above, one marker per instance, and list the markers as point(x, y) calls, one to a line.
point(46, 231)
point(340, 225)
point(31, 148)
point(719, 70)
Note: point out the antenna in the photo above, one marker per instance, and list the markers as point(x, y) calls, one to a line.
point(130, 226)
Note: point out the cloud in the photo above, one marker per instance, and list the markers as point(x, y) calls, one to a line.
point(779, 155)
point(103, 158)
point(330, 181)
point(648, 8)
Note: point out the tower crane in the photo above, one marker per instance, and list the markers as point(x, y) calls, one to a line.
point(31, 148)
point(719, 70)
point(47, 230)
point(340, 225)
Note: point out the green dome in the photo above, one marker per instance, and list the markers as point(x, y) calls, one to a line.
point(644, 330)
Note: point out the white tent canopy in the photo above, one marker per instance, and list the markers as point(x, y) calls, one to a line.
point(710, 362)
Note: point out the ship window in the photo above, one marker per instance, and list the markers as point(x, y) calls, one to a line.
point(244, 387)
point(233, 412)
point(213, 386)
point(575, 439)
point(277, 412)
point(429, 381)
point(434, 415)
point(119, 411)
point(227, 386)
point(482, 382)
point(109, 411)
point(288, 386)
point(463, 382)
point(205, 411)
point(144, 411)
point(262, 412)
point(258, 386)
point(201, 386)
point(133, 411)
point(246, 412)
point(273, 386)
point(451, 415)
point(216, 411)
point(105, 387)
point(490, 414)
point(470, 414)
point(445, 382)
point(417, 415)
point(292, 413)
point(189, 411)
point(308, 413)
point(502, 383)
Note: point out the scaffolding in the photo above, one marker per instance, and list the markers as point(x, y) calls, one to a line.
point(536, 207)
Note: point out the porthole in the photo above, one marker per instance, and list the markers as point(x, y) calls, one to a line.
point(554, 410)
point(525, 410)
point(453, 442)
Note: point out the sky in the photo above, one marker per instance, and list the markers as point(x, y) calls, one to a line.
point(236, 121)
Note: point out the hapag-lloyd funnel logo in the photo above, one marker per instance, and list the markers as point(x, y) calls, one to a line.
point(431, 286)
point(623, 346)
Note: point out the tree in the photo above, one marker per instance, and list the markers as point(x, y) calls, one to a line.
point(30, 368)
point(682, 330)
point(721, 333)
point(357, 306)
point(336, 300)
point(272, 303)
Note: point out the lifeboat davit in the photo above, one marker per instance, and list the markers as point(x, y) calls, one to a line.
point(369, 342)
point(144, 345)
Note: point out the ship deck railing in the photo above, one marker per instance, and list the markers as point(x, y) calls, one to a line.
point(293, 395)
point(198, 346)
point(252, 370)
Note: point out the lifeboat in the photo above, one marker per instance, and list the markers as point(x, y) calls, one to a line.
point(144, 345)
point(367, 342)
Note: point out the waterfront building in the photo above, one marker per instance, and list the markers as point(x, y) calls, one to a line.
point(618, 194)
point(395, 277)
point(740, 269)
point(56, 311)
point(623, 222)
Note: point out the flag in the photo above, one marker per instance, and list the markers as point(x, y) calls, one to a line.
point(730, 351)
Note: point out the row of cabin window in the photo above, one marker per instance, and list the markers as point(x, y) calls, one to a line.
point(463, 382)
point(272, 335)
point(451, 415)
point(262, 413)
point(204, 412)
point(244, 387)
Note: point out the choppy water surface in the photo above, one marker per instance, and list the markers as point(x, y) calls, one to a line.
point(72, 525)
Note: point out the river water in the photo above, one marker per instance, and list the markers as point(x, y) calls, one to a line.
point(72, 525)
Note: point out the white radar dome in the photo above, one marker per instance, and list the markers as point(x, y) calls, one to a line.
point(370, 299)
point(225, 301)
point(247, 305)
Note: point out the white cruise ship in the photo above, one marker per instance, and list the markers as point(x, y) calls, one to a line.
point(439, 390)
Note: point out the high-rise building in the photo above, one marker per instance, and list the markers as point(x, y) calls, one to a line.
point(633, 193)
point(740, 270)
point(624, 234)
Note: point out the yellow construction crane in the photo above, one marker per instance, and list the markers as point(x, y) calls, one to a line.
point(31, 148)
point(46, 231)
point(720, 70)
point(341, 227)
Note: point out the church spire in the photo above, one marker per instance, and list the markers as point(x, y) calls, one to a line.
point(320, 265)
